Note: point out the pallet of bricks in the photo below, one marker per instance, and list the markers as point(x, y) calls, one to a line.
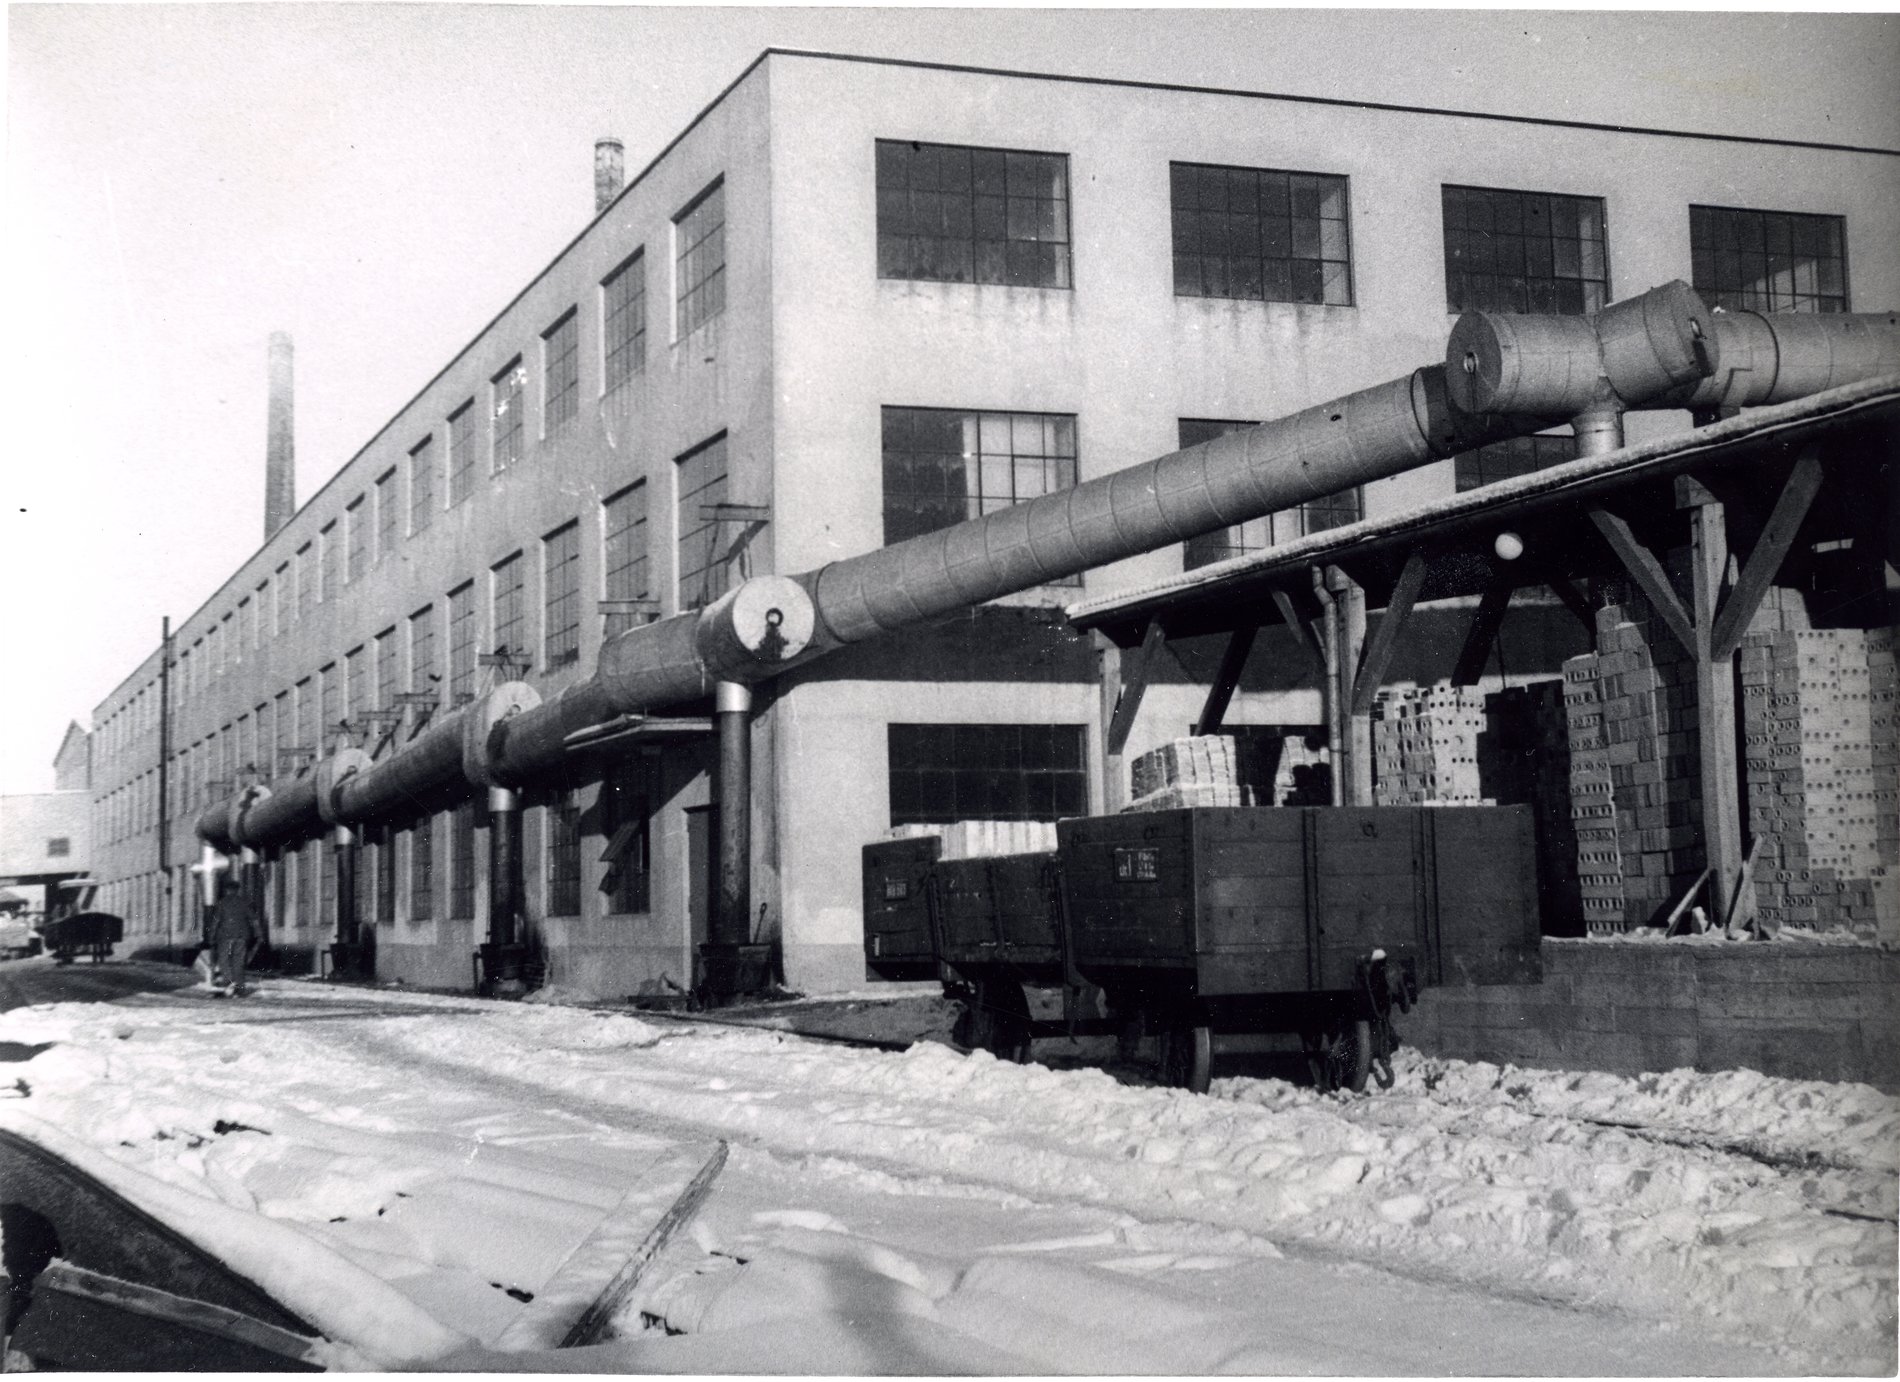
point(1635, 797)
point(1201, 770)
point(1822, 760)
point(1425, 746)
point(983, 839)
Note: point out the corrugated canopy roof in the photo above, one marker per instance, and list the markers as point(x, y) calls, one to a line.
point(1547, 510)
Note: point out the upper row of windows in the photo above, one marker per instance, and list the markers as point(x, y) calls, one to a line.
point(951, 214)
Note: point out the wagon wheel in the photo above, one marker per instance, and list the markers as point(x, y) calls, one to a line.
point(996, 1019)
point(1340, 1058)
point(1187, 1058)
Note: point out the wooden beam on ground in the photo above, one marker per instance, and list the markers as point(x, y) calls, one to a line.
point(1385, 639)
point(1303, 631)
point(1715, 711)
point(1135, 685)
point(1226, 679)
point(1648, 574)
point(1771, 549)
point(1485, 623)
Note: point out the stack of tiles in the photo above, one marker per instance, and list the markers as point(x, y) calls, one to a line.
point(1205, 770)
point(1634, 773)
point(984, 839)
point(1425, 746)
point(1823, 768)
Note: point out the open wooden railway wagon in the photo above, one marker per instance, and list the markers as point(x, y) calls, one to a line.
point(1211, 922)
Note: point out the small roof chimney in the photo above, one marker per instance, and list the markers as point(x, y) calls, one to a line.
point(280, 456)
point(610, 172)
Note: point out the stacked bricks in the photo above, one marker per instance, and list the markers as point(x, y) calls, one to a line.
point(984, 839)
point(1634, 772)
point(1203, 770)
point(1425, 746)
point(1823, 770)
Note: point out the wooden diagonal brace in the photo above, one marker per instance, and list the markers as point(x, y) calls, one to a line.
point(1232, 661)
point(1305, 632)
point(1385, 638)
point(1648, 574)
point(1770, 550)
point(1484, 631)
point(1135, 686)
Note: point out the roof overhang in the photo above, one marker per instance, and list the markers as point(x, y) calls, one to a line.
point(1546, 509)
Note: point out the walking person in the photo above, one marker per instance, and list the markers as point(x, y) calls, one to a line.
point(232, 930)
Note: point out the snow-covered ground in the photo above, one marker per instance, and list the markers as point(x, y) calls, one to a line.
point(447, 1182)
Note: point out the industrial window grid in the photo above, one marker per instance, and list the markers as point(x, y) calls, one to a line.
point(422, 485)
point(306, 858)
point(703, 574)
point(561, 595)
point(1505, 460)
point(561, 374)
point(462, 435)
point(508, 584)
point(306, 702)
point(700, 275)
point(247, 613)
point(356, 536)
point(462, 862)
point(356, 681)
point(329, 703)
point(284, 728)
point(1260, 234)
point(384, 868)
point(1257, 534)
point(510, 394)
point(623, 295)
point(422, 870)
point(946, 465)
point(422, 669)
point(1768, 261)
point(564, 856)
point(306, 579)
point(948, 213)
point(329, 562)
point(631, 792)
point(624, 561)
point(388, 669)
point(1524, 251)
point(942, 773)
point(280, 605)
point(388, 514)
point(326, 886)
point(462, 637)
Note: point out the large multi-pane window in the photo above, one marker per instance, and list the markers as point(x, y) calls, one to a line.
point(306, 714)
point(383, 866)
point(306, 579)
point(631, 795)
point(1524, 251)
point(388, 669)
point(388, 514)
point(463, 436)
point(624, 554)
point(510, 395)
point(623, 297)
point(356, 683)
point(951, 214)
point(703, 570)
point(941, 773)
point(1505, 460)
point(422, 485)
point(1768, 261)
point(422, 870)
point(248, 623)
point(564, 856)
point(462, 639)
point(507, 584)
point(1256, 534)
point(356, 522)
point(307, 867)
point(945, 465)
point(462, 862)
point(1260, 234)
point(326, 886)
point(329, 704)
point(560, 374)
point(422, 669)
point(329, 561)
point(283, 594)
point(561, 595)
point(699, 238)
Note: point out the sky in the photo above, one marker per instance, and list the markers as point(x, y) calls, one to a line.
point(380, 180)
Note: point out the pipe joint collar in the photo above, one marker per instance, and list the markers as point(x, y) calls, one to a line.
point(732, 698)
point(478, 759)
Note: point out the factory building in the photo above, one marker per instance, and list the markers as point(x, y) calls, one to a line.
point(855, 301)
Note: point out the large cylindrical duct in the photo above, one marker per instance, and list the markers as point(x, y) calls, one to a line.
point(284, 816)
point(1774, 358)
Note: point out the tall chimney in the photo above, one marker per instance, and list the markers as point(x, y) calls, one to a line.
point(280, 455)
point(610, 172)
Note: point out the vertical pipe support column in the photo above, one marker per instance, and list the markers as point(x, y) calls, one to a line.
point(503, 955)
point(343, 838)
point(732, 920)
point(1715, 712)
point(1599, 428)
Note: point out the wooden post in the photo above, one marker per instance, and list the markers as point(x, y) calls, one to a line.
point(1114, 778)
point(1715, 707)
point(1349, 603)
point(1331, 701)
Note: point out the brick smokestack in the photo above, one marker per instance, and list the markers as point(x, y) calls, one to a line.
point(280, 455)
point(610, 172)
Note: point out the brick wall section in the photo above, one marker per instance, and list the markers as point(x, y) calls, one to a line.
point(1798, 1011)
